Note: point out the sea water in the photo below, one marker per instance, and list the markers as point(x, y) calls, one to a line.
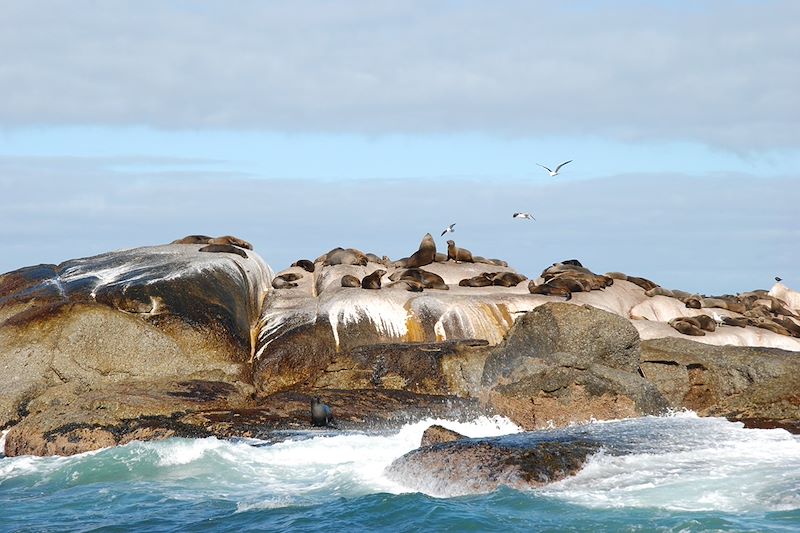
point(673, 473)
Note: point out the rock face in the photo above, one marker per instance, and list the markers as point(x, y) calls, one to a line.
point(142, 319)
point(474, 466)
point(564, 364)
point(194, 338)
point(742, 383)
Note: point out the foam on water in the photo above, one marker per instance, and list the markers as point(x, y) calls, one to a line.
point(688, 463)
point(676, 463)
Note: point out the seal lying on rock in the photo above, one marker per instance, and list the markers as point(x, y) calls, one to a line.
point(687, 326)
point(349, 280)
point(508, 279)
point(550, 289)
point(342, 256)
point(481, 280)
point(233, 241)
point(193, 239)
point(224, 248)
point(305, 264)
point(428, 280)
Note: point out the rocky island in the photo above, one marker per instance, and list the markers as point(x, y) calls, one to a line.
point(200, 337)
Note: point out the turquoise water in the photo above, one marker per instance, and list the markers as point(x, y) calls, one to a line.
point(678, 473)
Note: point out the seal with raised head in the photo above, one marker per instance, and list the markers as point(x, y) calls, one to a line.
point(457, 254)
point(233, 241)
point(348, 280)
point(424, 255)
point(321, 414)
point(224, 248)
point(373, 281)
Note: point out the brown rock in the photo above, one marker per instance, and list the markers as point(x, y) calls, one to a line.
point(437, 434)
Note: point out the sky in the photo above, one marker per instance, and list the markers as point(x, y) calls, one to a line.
point(308, 125)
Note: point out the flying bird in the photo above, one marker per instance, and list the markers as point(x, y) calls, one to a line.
point(524, 215)
point(778, 279)
point(449, 229)
point(555, 172)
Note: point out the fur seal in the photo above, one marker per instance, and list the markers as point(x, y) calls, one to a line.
point(481, 280)
point(321, 414)
point(790, 325)
point(429, 280)
point(659, 291)
point(457, 254)
point(349, 280)
point(193, 239)
point(305, 264)
point(342, 256)
point(291, 276)
point(508, 279)
point(233, 241)
point(549, 290)
point(440, 258)
point(644, 283)
point(281, 283)
point(706, 322)
point(425, 255)
point(686, 327)
point(373, 281)
point(408, 284)
point(224, 248)
point(733, 321)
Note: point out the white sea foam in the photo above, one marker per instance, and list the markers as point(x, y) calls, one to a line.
point(693, 464)
point(681, 462)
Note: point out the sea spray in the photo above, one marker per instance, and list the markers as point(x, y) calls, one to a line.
point(697, 472)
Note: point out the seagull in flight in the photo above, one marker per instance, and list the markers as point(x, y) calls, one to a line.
point(555, 172)
point(449, 229)
point(523, 215)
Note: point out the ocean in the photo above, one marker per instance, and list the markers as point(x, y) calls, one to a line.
point(672, 473)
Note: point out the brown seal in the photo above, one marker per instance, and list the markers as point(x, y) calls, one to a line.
point(373, 281)
point(345, 256)
point(425, 255)
point(193, 239)
point(549, 290)
point(305, 264)
point(508, 279)
point(231, 240)
point(349, 280)
point(481, 280)
point(281, 283)
point(733, 321)
point(291, 276)
point(224, 248)
point(408, 284)
point(687, 327)
point(458, 254)
point(429, 280)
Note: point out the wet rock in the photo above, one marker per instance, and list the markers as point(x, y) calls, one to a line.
point(437, 434)
point(475, 466)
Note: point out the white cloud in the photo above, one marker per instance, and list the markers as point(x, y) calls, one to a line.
point(718, 72)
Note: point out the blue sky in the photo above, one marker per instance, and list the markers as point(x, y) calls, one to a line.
point(310, 125)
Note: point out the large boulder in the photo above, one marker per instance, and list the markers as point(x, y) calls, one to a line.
point(475, 466)
point(563, 364)
point(744, 383)
point(147, 314)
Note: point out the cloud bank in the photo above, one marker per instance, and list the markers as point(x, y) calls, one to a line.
point(712, 71)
